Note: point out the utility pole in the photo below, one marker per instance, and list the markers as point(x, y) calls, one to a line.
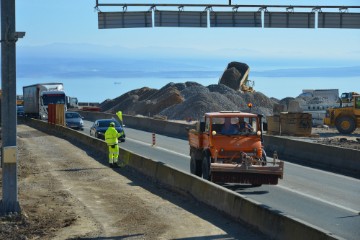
point(9, 202)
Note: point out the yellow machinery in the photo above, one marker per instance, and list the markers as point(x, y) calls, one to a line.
point(347, 97)
point(19, 100)
point(236, 76)
point(346, 119)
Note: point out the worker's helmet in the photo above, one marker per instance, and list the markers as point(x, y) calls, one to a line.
point(112, 124)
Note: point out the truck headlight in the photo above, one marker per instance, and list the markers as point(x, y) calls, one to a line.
point(258, 133)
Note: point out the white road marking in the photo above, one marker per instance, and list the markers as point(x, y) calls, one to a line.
point(322, 171)
point(160, 148)
point(280, 186)
point(319, 199)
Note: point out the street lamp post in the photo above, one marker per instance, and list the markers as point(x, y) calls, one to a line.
point(9, 202)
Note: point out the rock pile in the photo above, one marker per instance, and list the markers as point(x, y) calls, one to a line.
point(189, 100)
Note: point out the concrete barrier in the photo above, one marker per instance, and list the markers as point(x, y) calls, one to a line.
point(269, 221)
point(167, 128)
point(336, 159)
point(329, 158)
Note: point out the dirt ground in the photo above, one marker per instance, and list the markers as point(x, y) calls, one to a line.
point(66, 192)
point(330, 136)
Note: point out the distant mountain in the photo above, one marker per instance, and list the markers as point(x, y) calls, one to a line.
point(311, 72)
point(85, 60)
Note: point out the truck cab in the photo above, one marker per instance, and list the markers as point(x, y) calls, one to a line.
point(243, 130)
point(50, 97)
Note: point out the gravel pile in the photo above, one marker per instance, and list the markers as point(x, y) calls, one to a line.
point(189, 100)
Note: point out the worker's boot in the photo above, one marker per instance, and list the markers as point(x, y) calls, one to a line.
point(121, 163)
point(116, 163)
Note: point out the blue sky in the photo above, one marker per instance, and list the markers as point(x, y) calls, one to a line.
point(71, 28)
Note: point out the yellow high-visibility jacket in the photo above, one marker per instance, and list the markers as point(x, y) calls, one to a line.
point(111, 136)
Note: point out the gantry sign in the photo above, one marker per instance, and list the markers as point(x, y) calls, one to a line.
point(221, 15)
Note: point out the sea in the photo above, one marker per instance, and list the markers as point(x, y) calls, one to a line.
point(98, 89)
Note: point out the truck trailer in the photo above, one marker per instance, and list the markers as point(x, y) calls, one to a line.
point(37, 97)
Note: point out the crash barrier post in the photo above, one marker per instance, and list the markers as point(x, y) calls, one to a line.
point(56, 114)
point(51, 113)
point(60, 114)
point(153, 139)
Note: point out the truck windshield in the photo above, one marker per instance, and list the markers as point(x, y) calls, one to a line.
point(73, 101)
point(357, 102)
point(234, 125)
point(53, 99)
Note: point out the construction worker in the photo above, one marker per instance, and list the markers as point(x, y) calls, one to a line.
point(244, 126)
point(228, 128)
point(111, 138)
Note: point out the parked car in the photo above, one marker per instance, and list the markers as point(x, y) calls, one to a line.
point(100, 126)
point(20, 110)
point(74, 120)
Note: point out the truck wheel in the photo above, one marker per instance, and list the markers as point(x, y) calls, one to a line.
point(256, 185)
point(345, 124)
point(198, 168)
point(192, 165)
point(206, 167)
point(195, 167)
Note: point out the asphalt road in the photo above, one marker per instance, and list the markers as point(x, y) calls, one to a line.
point(326, 200)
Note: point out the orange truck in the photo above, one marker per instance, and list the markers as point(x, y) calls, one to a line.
point(226, 147)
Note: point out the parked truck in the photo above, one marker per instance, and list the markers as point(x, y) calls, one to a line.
point(346, 99)
point(345, 118)
point(72, 102)
point(38, 96)
point(232, 157)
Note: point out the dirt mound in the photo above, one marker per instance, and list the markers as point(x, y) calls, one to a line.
point(127, 99)
point(180, 101)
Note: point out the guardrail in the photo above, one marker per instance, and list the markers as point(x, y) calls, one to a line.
point(269, 221)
